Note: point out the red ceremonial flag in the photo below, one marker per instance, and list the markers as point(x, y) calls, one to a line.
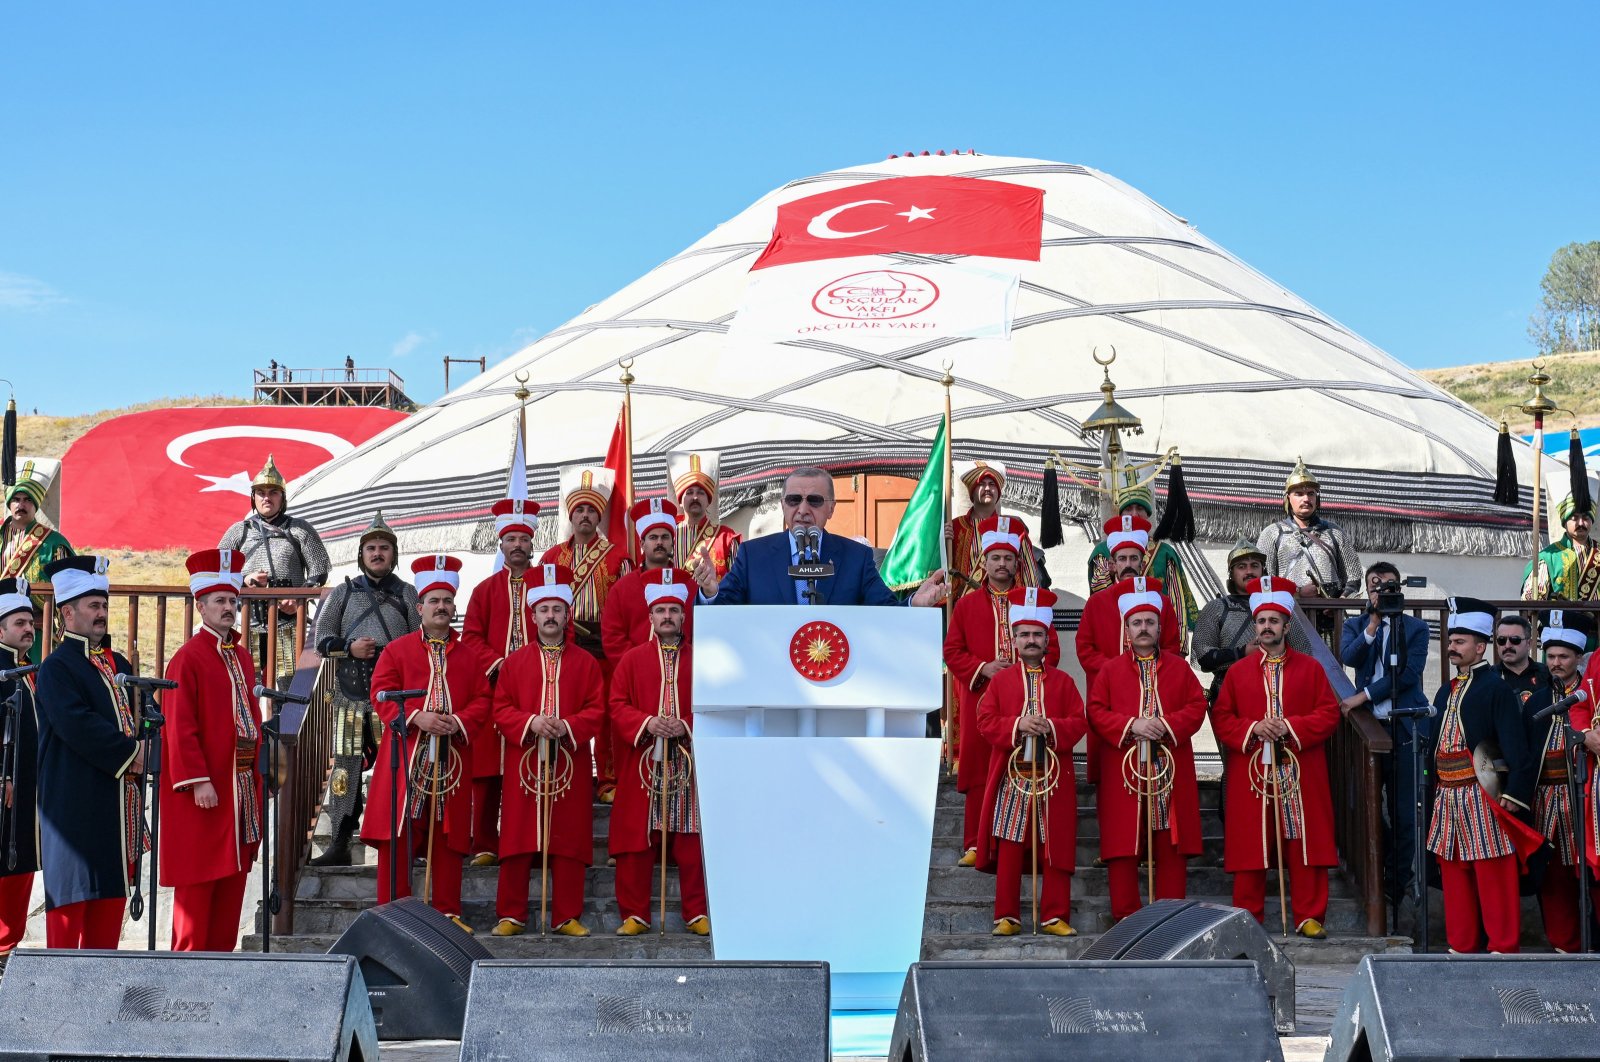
point(619, 459)
point(922, 215)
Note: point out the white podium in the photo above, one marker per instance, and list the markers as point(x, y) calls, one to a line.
point(817, 786)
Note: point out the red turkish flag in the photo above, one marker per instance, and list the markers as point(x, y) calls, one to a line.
point(921, 215)
point(177, 478)
point(619, 458)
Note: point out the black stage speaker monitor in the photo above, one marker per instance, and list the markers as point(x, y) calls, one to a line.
point(1453, 1008)
point(166, 1005)
point(417, 964)
point(1188, 929)
point(1174, 1011)
point(621, 1011)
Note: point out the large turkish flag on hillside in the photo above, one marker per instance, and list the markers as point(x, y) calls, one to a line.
point(177, 478)
point(919, 215)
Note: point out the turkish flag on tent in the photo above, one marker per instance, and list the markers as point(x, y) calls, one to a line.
point(177, 478)
point(920, 215)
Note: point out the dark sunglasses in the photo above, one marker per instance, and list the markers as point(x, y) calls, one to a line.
point(1508, 641)
point(816, 501)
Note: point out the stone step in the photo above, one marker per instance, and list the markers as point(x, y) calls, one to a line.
point(946, 916)
point(1335, 950)
point(479, 883)
point(676, 944)
point(1087, 881)
point(960, 914)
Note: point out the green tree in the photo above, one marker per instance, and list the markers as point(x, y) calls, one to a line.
point(1568, 317)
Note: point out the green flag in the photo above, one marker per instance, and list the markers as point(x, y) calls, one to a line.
point(918, 548)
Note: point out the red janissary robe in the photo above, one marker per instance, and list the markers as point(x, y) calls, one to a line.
point(579, 701)
point(717, 541)
point(1101, 637)
point(979, 625)
point(404, 665)
point(1585, 717)
point(1113, 706)
point(999, 711)
point(636, 697)
point(488, 628)
point(625, 621)
point(1312, 712)
point(593, 577)
point(200, 744)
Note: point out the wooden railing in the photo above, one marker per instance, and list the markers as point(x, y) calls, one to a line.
point(1356, 772)
point(305, 731)
point(306, 747)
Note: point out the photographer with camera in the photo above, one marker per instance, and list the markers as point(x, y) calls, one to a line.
point(1389, 652)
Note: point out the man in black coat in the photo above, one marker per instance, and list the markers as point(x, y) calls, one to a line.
point(91, 810)
point(1480, 839)
point(19, 742)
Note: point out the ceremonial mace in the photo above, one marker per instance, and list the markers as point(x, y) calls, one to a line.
point(1033, 776)
point(664, 779)
point(1147, 770)
point(1266, 781)
point(439, 785)
point(551, 775)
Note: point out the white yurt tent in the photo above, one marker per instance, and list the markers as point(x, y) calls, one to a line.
point(1238, 373)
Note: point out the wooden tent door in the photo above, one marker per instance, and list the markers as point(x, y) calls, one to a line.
point(870, 506)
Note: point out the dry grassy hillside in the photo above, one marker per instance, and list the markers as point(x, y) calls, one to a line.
point(1492, 387)
point(48, 436)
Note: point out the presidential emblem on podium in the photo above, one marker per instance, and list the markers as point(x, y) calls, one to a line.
point(819, 650)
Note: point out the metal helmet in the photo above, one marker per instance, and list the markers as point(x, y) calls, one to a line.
point(269, 478)
point(378, 529)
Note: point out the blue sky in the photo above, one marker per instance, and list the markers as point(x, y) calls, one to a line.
point(187, 190)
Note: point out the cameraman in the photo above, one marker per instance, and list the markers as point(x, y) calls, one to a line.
point(1389, 651)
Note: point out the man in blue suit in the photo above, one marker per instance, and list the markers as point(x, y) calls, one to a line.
point(1390, 655)
point(760, 572)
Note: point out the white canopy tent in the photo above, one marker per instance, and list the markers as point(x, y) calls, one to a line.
point(1238, 373)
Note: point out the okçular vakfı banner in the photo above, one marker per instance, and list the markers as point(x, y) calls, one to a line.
point(877, 302)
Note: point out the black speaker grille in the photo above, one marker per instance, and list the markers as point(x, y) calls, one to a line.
point(434, 931)
point(1115, 943)
point(1166, 939)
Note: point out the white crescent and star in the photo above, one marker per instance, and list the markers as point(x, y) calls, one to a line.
point(239, 482)
point(822, 228)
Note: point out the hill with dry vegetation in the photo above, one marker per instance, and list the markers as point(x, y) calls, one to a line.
point(43, 435)
point(1496, 386)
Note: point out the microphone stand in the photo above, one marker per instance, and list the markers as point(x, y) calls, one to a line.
point(150, 723)
point(397, 757)
point(1419, 790)
point(271, 901)
point(9, 709)
point(1577, 774)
